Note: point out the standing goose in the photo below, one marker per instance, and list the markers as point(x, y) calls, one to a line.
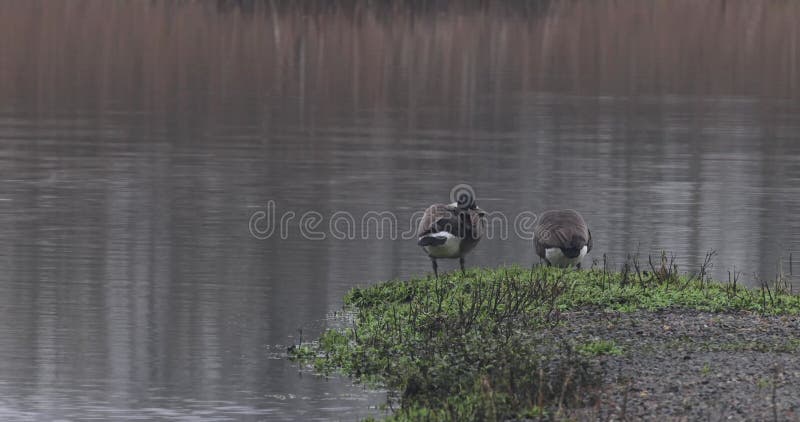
point(562, 238)
point(451, 231)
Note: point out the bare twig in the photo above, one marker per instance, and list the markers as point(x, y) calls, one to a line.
point(623, 416)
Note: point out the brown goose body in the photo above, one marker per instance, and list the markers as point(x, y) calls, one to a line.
point(450, 231)
point(562, 238)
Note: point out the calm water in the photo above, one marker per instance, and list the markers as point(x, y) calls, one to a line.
point(137, 139)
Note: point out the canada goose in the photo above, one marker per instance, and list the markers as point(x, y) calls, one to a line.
point(562, 238)
point(451, 231)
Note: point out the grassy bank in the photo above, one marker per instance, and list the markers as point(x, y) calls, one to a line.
point(476, 346)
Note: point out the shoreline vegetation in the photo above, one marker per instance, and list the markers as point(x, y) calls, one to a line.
point(323, 58)
point(546, 343)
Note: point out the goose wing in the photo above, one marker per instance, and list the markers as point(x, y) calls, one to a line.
point(438, 218)
point(560, 229)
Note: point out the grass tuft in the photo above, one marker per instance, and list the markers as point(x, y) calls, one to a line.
point(599, 348)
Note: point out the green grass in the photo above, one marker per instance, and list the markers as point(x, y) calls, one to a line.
point(599, 348)
point(464, 347)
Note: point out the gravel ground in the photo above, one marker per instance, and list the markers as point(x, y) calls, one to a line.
point(688, 365)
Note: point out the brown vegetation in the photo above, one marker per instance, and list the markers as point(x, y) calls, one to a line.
point(92, 52)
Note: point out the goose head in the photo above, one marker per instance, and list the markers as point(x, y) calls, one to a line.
point(474, 209)
point(465, 203)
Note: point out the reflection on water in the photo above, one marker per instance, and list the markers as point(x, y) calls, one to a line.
point(137, 139)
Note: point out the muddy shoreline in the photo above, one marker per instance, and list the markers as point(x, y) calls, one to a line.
point(681, 364)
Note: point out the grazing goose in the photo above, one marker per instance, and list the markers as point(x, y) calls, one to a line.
point(562, 238)
point(451, 231)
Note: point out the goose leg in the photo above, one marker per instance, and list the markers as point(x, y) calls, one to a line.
point(461, 262)
point(435, 267)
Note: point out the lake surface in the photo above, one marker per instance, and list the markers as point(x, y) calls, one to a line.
point(140, 140)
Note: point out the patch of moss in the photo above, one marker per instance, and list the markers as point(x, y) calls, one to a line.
point(599, 348)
